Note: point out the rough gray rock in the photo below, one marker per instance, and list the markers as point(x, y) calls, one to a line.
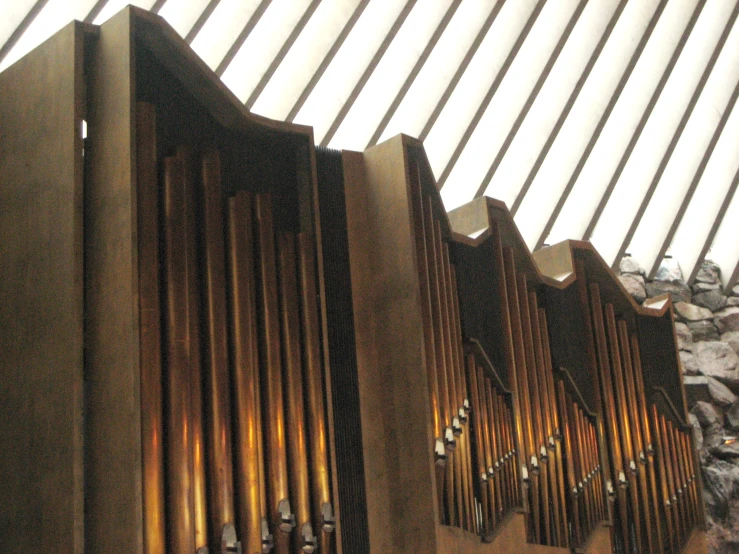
point(702, 330)
point(732, 339)
point(697, 431)
point(680, 291)
point(720, 393)
point(709, 273)
point(689, 363)
point(684, 336)
point(732, 301)
point(630, 265)
point(726, 451)
point(712, 299)
point(732, 416)
point(704, 287)
point(706, 414)
point(717, 359)
point(669, 270)
point(727, 319)
point(634, 285)
point(721, 480)
point(691, 312)
point(735, 291)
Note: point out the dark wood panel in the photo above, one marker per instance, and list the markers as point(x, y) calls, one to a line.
point(113, 484)
point(41, 298)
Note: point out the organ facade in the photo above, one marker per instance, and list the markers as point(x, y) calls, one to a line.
point(220, 338)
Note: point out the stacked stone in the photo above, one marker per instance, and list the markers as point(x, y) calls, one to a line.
point(707, 328)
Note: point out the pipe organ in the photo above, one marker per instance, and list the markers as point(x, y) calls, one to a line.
point(223, 339)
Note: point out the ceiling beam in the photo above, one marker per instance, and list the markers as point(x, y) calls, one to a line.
point(568, 107)
point(241, 39)
point(677, 134)
point(489, 95)
point(414, 72)
point(531, 99)
point(643, 121)
point(402, 16)
point(201, 20)
point(294, 34)
point(695, 181)
point(21, 28)
point(601, 123)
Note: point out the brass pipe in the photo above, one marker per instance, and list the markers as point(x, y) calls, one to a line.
point(292, 367)
point(547, 432)
point(463, 392)
point(424, 280)
point(611, 417)
point(438, 340)
point(670, 514)
point(555, 443)
point(680, 478)
point(638, 442)
point(535, 400)
point(495, 445)
point(502, 468)
point(458, 500)
point(280, 516)
point(323, 506)
point(476, 413)
point(688, 454)
point(569, 443)
point(149, 330)
point(216, 351)
point(179, 447)
point(626, 435)
point(246, 371)
point(200, 495)
point(580, 471)
point(487, 431)
point(680, 502)
point(517, 424)
point(522, 390)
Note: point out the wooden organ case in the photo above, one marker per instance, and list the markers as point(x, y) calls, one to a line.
point(196, 358)
point(166, 272)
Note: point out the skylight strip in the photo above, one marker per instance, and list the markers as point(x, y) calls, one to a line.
point(420, 63)
point(570, 151)
point(659, 130)
point(304, 58)
point(500, 115)
point(691, 138)
point(725, 247)
point(114, 6)
point(704, 208)
point(16, 18)
point(629, 114)
point(262, 46)
point(387, 79)
point(368, 72)
point(348, 65)
point(183, 14)
point(482, 77)
point(54, 15)
point(512, 163)
point(226, 29)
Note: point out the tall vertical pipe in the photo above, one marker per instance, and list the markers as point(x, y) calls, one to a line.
point(246, 371)
point(280, 516)
point(323, 509)
point(179, 436)
point(149, 330)
point(220, 466)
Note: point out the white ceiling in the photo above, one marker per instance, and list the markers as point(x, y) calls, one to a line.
point(613, 121)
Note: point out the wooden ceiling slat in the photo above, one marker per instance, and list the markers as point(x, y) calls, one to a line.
point(241, 39)
point(677, 134)
point(489, 95)
point(368, 72)
point(531, 99)
point(643, 121)
point(601, 123)
point(24, 24)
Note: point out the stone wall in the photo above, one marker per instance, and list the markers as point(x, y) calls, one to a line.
point(707, 326)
